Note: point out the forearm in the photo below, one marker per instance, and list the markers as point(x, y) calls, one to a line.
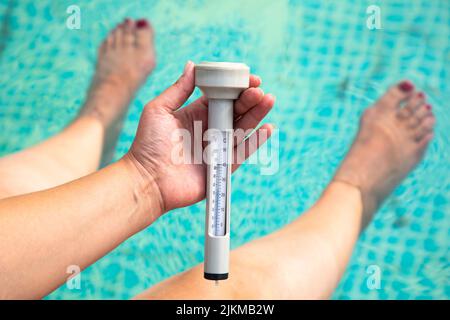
point(43, 233)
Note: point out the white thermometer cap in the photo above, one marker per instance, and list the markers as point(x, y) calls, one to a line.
point(222, 80)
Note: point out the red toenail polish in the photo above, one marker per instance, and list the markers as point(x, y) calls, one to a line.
point(428, 107)
point(142, 23)
point(421, 95)
point(406, 86)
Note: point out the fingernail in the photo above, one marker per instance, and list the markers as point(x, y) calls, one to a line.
point(273, 97)
point(142, 23)
point(421, 95)
point(428, 107)
point(187, 66)
point(260, 90)
point(406, 86)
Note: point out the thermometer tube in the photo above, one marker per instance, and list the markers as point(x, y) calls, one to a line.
point(221, 83)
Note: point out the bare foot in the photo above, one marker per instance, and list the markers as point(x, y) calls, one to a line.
point(125, 59)
point(392, 139)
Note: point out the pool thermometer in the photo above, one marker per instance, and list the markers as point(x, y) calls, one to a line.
point(221, 83)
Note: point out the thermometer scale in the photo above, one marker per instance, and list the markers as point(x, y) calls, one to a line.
point(219, 165)
point(221, 83)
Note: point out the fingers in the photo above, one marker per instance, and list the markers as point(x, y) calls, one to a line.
point(251, 144)
point(254, 116)
point(177, 94)
point(248, 99)
point(200, 103)
point(255, 81)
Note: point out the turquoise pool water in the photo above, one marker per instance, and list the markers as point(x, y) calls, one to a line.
point(323, 65)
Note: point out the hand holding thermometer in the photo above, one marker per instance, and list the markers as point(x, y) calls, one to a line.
point(221, 83)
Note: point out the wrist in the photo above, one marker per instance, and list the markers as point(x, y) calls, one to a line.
point(145, 189)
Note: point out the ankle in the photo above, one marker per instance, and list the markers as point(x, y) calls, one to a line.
point(368, 202)
point(113, 85)
point(88, 121)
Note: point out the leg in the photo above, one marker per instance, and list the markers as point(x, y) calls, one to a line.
point(303, 260)
point(125, 59)
point(307, 258)
point(73, 153)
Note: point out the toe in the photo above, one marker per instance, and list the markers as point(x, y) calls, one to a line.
point(109, 41)
point(144, 34)
point(416, 100)
point(412, 106)
point(404, 113)
point(426, 127)
point(423, 143)
point(255, 81)
point(128, 32)
point(118, 36)
point(396, 95)
point(104, 46)
point(422, 112)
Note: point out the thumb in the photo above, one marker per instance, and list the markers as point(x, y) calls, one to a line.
point(177, 94)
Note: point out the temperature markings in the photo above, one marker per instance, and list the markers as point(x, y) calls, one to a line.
point(219, 165)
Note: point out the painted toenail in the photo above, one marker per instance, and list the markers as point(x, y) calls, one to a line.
point(142, 23)
point(421, 95)
point(406, 86)
point(428, 107)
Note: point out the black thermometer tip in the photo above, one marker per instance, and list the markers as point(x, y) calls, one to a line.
point(216, 276)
